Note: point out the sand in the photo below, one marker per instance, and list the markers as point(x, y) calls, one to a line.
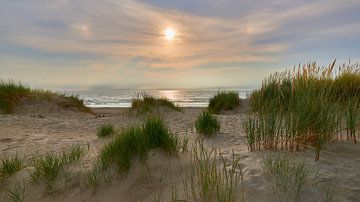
point(30, 133)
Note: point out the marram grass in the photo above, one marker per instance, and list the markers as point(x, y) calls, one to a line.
point(48, 167)
point(137, 141)
point(207, 124)
point(12, 93)
point(106, 130)
point(224, 101)
point(9, 166)
point(290, 176)
point(309, 105)
point(146, 103)
point(212, 177)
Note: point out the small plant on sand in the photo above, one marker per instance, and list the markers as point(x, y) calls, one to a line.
point(207, 124)
point(9, 166)
point(17, 194)
point(212, 177)
point(224, 101)
point(93, 177)
point(73, 155)
point(106, 130)
point(290, 176)
point(137, 142)
point(48, 167)
point(145, 103)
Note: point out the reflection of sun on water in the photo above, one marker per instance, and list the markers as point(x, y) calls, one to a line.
point(172, 95)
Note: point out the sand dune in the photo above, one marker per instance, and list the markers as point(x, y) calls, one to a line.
point(38, 132)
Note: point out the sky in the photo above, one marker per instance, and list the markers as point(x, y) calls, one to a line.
point(83, 44)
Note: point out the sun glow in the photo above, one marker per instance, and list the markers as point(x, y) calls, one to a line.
point(169, 34)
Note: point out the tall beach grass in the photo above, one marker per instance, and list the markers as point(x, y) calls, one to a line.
point(307, 106)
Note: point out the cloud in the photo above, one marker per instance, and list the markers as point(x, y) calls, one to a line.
point(123, 42)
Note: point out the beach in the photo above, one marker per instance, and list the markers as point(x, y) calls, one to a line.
point(38, 132)
point(179, 101)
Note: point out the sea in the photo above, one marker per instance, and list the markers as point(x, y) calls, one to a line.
point(123, 97)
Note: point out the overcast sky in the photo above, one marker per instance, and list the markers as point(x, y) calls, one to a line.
point(217, 43)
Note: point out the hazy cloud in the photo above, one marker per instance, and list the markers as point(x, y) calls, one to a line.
point(82, 43)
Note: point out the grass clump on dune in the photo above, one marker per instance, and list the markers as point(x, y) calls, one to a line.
point(12, 93)
point(137, 141)
point(224, 101)
point(145, 103)
point(9, 166)
point(49, 166)
point(212, 177)
point(307, 106)
point(207, 124)
point(290, 176)
point(106, 130)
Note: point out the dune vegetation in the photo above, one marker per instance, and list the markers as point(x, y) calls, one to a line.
point(290, 176)
point(13, 94)
point(207, 124)
point(146, 103)
point(137, 141)
point(212, 177)
point(308, 106)
point(224, 101)
point(9, 166)
point(48, 166)
point(106, 130)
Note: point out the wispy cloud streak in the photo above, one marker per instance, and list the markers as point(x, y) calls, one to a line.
point(120, 40)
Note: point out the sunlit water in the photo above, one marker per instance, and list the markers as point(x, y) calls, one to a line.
point(122, 98)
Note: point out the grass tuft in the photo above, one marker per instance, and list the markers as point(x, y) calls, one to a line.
point(93, 177)
point(207, 124)
point(11, 93)
point(9, 166)
point(137, 141)
point(290, 176)
point(106, 130)
point(145, 103)
point(212, 177)
point(49, 166)
point(224, 101)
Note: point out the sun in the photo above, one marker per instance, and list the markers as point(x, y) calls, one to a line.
point(169, 34)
